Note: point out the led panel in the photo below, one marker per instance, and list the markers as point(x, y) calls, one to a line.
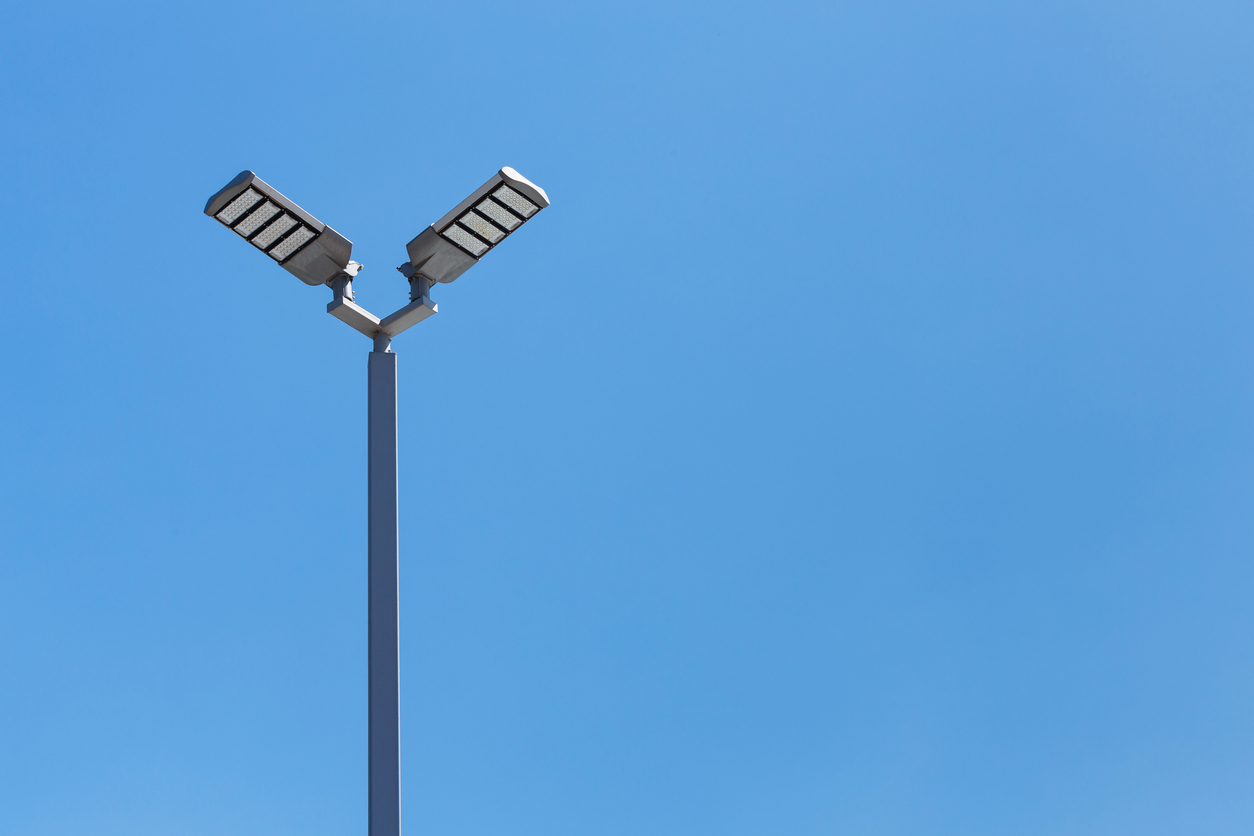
point(499, 213)
point(291, 243)
point(272, 233)
point(515, 201)
point(482, 227)
point(256, 218)
point(238, 206)
point(465, 240)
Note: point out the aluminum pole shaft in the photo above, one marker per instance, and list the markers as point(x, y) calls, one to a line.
point(385, 728)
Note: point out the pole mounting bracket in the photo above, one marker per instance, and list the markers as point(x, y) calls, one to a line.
point(343, 308)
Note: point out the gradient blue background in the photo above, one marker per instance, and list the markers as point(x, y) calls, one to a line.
point(863, 441)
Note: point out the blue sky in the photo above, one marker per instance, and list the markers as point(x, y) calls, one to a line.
point(860, 443)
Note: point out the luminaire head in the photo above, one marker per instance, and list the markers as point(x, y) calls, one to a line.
point(456, 242)
point(302, 245)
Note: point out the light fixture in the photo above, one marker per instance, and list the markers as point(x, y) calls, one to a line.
point(303, 245)
point(317, 254)
point(456, 242)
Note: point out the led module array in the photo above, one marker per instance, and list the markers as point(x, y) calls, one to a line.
point(266, 225)
point(316, 254)
point(483, 226)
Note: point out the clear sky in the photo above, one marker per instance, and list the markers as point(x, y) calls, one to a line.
point(861, 443)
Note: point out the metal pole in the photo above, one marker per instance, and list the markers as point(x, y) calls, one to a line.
point(385, 728)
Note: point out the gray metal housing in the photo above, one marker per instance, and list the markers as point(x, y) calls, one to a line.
point(440, 260)
point(317, 262)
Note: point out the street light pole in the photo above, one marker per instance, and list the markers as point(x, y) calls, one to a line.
point(318, 255)
point(384, 605)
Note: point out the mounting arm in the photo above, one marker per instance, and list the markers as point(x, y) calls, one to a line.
point(343, 308)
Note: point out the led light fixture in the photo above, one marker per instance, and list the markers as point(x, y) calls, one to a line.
point(456, 242)
point(304, 246)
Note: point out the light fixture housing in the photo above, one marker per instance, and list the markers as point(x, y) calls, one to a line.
point(456, 242)
point(301, 244)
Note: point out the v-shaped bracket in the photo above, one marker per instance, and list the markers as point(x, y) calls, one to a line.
point(346, 310)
